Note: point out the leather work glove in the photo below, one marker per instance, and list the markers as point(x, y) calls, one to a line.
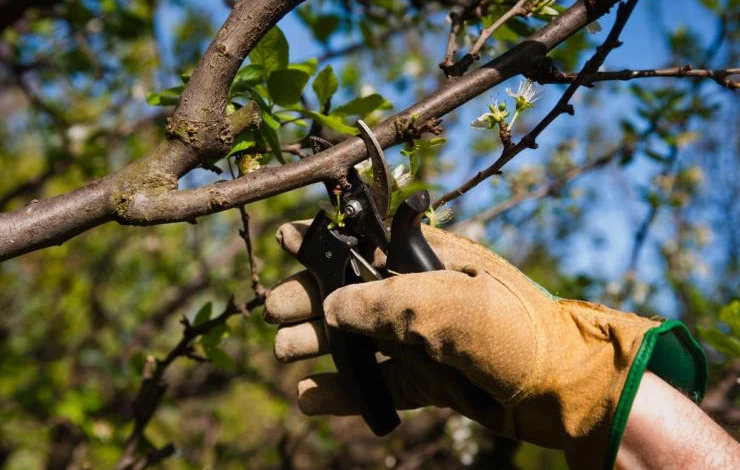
point(485, 340)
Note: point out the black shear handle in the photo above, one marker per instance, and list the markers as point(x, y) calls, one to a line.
point(327, 258)
point(409, 251)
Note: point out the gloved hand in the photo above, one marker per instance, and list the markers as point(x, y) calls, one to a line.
point(483, 339)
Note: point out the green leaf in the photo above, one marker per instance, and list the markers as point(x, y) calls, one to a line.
point(213, 338)
point(185, 76)
point(435, 142)
point(270, 135)
point(271, 52)
point(324, 26)
point(730, 314)
point(309, 66)
point(203, 315)
point(285, 86)
point(268, 131)
point(220, 359)
point(243, 141)
point(362, 106)
point(286, 117)
point(333, 122)
point(167, 97)
point(247, 76)
point(723, 343)
point(325, 85)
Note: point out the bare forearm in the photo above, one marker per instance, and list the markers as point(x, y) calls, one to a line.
point(666, 430)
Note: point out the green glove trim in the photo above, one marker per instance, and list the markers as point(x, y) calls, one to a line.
point(671, 353)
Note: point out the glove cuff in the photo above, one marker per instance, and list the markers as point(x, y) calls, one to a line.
point(670, 352)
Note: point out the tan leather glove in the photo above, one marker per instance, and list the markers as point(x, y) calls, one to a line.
point(485, 340)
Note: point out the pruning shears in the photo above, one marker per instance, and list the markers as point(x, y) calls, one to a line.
point(337, 249)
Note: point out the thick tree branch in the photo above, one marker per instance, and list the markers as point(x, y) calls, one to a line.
point(144, 193)
point(198, 130)
point(149, 207)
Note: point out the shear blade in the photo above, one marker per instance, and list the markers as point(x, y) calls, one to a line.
point(362, 268)
point(381, 186)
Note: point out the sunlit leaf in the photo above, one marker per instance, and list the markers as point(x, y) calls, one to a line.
point(285, 86)
point(271, 52)
point(204, 314)
point(333, 122)
point(325, 85)
point(166, 97)
point(243, 141)
point(248, 76)
point(362, 106)
point(308, 66)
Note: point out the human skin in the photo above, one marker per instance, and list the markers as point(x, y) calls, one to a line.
point(665, 430)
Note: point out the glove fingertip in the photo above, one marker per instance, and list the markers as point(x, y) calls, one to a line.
point(290, 235)
point(322, 394)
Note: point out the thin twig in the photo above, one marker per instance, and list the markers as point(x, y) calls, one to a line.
point(547, 189)
point(152, 388)
point(257, 286)
point(294, 149)
point(721, 76)
point(561, 107)
point(461, 66)
point(457, 20)
point(362, 45)
point(518, 9)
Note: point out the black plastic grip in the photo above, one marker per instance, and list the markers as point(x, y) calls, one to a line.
point(327, 258)
point(409, 251)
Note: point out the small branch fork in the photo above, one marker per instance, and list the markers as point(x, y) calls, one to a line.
point(520, 8)
point(152, 388)
point(561, 107)
point(257, 287)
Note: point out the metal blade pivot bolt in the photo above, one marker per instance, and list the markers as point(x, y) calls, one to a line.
point(353, 208)
point(328, 254)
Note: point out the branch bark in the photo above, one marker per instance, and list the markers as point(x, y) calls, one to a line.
point(145, 192)
point(154, 208)
point(721, 76)
point(198, 130)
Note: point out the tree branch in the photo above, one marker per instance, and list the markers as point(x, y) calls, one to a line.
point(152, 388)
point(461, 66)
point(547, 189)
point(198, 130)
point(721, 76)
point(562, 106)
point(148, 207)
point(144, 193)
point(472, 9)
